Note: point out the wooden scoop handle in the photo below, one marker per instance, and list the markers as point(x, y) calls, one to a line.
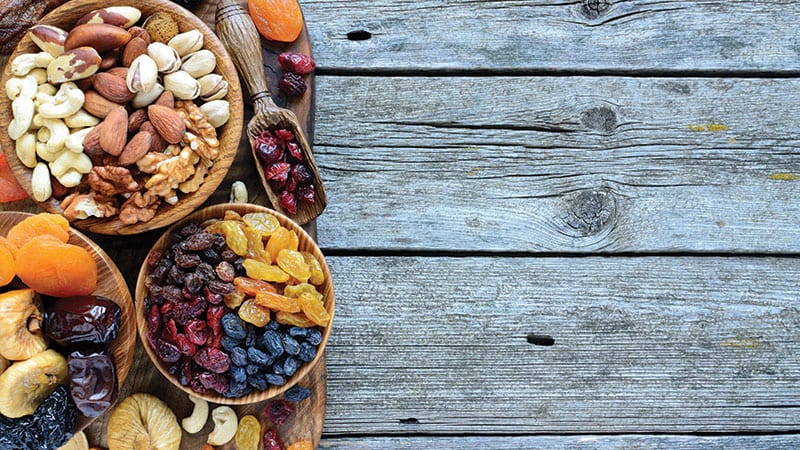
point(238, 33)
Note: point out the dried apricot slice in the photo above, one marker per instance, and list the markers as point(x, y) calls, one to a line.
point(6, 266)
point(41, 224)
point(5, 243)
point(277, 20)
point(55, 268)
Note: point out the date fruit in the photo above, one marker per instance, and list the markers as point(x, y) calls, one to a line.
point(82, 320)
point(92, 381)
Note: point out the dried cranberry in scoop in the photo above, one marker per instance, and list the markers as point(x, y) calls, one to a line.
point(296, 63)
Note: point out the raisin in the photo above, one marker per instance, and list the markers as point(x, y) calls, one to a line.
point(282, 238)
point(189, 229)
point(258, 381)
point(172, 294)
point(290, 345)
point(290, 366)
point(271, 440)
point(193, 282)
point(314, 337)
point(239, 356)
point(210, 256)
point(258, 357)
point(297, 332)
point(175, 276)
point(213, 297)
point(278, 411)
point(293, 263)
point(228, 343)
point(225, 271)
point(199, 241)
point(314, 309)
point(248, 433)
point(275, 380)
point(250, 312)
point(238, 373)
point(206, 271)
point(307, 352)
point(222, 288)
point(252, 369)
point(212, 359)
point(273, 343)
point(187, 260)
point(297, 393)
point(296, 63)
point(154, 258)
point(233, 326)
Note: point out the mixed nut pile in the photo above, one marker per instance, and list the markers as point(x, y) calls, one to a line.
point(117, 119)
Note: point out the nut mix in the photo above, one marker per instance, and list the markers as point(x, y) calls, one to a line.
point(233, 306)
point(96, 108)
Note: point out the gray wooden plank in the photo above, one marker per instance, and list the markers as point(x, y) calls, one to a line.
point(641, 345)
point(559, 164)
point(587, 35)
point(567, 442)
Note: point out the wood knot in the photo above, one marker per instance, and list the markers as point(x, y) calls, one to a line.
point(593, 9)
point(601, 118)
point(589, 212)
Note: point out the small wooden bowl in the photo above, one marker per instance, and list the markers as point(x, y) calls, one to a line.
point(229, 135)
point(110, 284)
point(305, 244)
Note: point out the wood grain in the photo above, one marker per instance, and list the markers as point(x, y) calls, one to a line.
point(110, 284)
point(585, 36)
point(229, 134)
point(436, 346)
point(562, 164)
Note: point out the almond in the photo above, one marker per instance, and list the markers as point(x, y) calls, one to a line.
point(100, 36)
point(158, 144)
point(135, 120)
point(140, 33)
point(97, 105)
point(112, 88)
point(133, 49)
point(138, 146)
point(91, 142)
point(167, 122)
point(166, 99)
point(114, 132)
point(109, 60)
point(121, 72)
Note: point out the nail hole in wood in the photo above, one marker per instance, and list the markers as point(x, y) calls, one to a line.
point(410, 420)
point(542, 340)
point(359, 35)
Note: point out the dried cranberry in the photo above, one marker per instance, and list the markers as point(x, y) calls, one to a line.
point(185, 371)
point(271, 440)
point(284, 134)
point(265, 134)
point(296, 63)
point(185, 346)
point(294, 150)
point(300, 174)
point(167, 352)
point(278, 172)
point(292, 84)
point(196, 331)
point(212, 359)
point(290, 185)
point(170, 332)
point(154, 319)
point(306, 193)
point(197, 386)
point(172, 294)
point(214, 322)
point(214, 381)
point(213, 297)
point(268, 150)
point(278, 411)
point(289, 202)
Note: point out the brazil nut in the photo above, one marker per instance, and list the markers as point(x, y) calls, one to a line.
point(75, 64)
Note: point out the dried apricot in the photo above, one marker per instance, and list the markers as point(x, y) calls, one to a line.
point(55, 268)
point(314, 309)
point(5, 243)
point(278, 302)
point(6, 266)
point(281, 239)
point(301, 445)
point(41, 224)
point(277, 20)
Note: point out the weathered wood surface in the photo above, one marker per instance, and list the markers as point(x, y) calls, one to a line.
point(432, 345)
point(587, 442)
point(545, 35)
point(559, 164)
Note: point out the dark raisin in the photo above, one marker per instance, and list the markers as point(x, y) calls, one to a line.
point(298, 332)
point(219, 244)
point(229, 256)
point(175, 276)
point(251, 369)
point(225, 271)
point(228, 343)
point(222, 288)
point(238, 264)
point(278, 411)
point(258, 381)
point(210, 256)
point(206, 271)
point(252, 339)
point(172, 294)
point(273, 343)
point(212, 359)
point(154, 319)
point(290, 366)
point(193, 283)
point(187, 260)
point(189, 229)
point(199, 241)
point(238, 373)
point(212, 297)
point(276, 380)
point(160, 271)
point(290, 345)
point(307, 352)
point(258, 357)
point(237, 389)
point(272, 326)
point(239, 356)
point(314, 336)
point(154, 258)
point(233, 326)
point(297, 393)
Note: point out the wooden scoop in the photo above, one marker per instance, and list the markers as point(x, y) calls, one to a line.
point(238, 33)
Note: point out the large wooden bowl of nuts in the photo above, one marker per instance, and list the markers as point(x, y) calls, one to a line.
point(124, 116)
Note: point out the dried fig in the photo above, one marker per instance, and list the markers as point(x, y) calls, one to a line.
point(25, 384)
point(143, 421)
point(20, 334)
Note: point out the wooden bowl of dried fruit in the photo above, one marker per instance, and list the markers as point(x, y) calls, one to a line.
point(65, 316)
point(123, 116)
point(234, 303)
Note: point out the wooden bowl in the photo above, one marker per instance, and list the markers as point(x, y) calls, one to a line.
point(110, 284)
point(229, 134)
point(306, 243)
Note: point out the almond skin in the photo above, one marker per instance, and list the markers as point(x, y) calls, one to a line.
point(100, 36)
point(166, 99)
point(135, 120)
point(133, 49)
point(158, 144)
point(112, 88)
point(114, 132)
point(167, 122)
point(121, 72)
point(136, 148)
point(97, 105)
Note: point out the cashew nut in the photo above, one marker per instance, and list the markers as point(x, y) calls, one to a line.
point(195, 422)
point(74, 142)
point(58, 133)
point(67, 102)
point(70, 179)
point(81, 119)
point(23, 109)
point(46, 89)
point(26, 149)
point(19, 86)
point(70, 161)
point(225, 424)
point(48, 155)
point(23, 64)
point(40, 183)
point(43, 135)
point(39, 74)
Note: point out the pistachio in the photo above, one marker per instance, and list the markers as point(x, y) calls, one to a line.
point(217, 112)
point(143, 99)
point(182, 85)
point(166, 57)
point(199, 63)
point(213, 87)
point(142, 74)
point(188, 42)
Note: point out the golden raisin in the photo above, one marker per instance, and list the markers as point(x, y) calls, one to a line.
point(281, 239)
point(248, 433)
point(314, 309)
point(250, 312)
point(317, 275)
point(262, 271)
point(293, 319)
point(278, 302)
point(293, 263)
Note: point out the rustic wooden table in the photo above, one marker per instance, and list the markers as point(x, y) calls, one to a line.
point(557, 224)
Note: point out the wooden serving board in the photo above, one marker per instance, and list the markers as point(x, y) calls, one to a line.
point(128, 252)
